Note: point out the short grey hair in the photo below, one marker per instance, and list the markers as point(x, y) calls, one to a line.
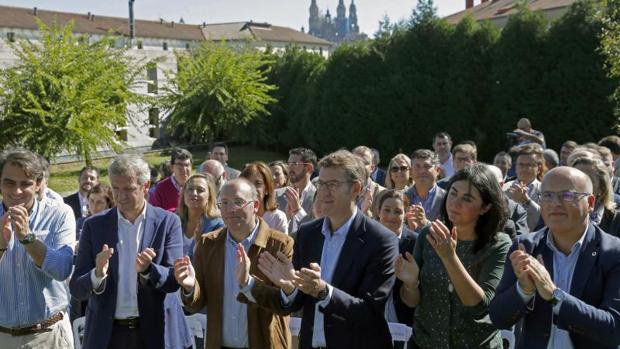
point(131, 165)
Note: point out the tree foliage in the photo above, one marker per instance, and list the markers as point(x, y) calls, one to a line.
point(215, 90)
point(610, 45)
point(66, 93)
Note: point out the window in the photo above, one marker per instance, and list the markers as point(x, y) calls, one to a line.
point(165, 46)
point(151, 76)
point(139, 44)
point(187, 46)
point(154, 123)
point(10, 37)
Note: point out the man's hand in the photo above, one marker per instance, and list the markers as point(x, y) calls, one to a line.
point(518, 192)
point(542, 279)
point(6, 231)
point(279, 270)
point(367, 201)
point(184, 273)
point(416, 217)
point(19, 216)
point(308, 280)
point(407, 270)
point(520, 261)
point(144, 259)
point(102, 261)
point(243, 266)
point(293, 205)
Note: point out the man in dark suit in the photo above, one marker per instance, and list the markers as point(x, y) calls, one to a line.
point(378, 174)
point(124, 268)
point(89, 177)
point(562, 281)
point(342, 268)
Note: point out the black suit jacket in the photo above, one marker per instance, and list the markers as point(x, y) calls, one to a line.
point(73, 200)
point(403, 312)
point(363, 278)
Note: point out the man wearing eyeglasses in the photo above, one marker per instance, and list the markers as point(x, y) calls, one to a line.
point(226, 277)
point(167, 191)
point(564, 280)
point(296, 199)
point(341, 273)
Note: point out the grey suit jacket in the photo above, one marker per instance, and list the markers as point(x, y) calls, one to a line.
point(306, 205)
point(232, 173)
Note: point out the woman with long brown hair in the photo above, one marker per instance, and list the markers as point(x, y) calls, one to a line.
point(260, 175)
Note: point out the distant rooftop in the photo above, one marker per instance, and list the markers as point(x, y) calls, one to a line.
point(496, 9)
point(89, 23)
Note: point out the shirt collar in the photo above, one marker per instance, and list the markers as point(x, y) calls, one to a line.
point(248, 241)
point(343, 230)
point(176, 184)
point(122, 219)
point(576, 246)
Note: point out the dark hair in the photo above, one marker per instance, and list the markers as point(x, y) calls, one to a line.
point(220, 145)
point(425, 154)
point(535, 150)
point(611, 142)
point(28, 161)
point(180, 154)
point(492, 221)
point(307, 155)
point(89, 168)
point(104, 190)
point(442, 135)
point(388, 194)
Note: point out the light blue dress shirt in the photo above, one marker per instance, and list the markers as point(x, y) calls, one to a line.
point(29, 294)
point(235, 319)
point(427, 202)
point(563, 269)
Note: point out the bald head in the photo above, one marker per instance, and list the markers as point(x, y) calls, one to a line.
point(212, 167)
point(580, 181)
point(524, 124)
point(242, 187)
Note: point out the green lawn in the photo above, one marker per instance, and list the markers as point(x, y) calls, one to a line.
point(64, 177)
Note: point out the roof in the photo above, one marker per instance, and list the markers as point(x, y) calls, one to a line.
point(494, 9)
point(259, 31)
point(24, 18)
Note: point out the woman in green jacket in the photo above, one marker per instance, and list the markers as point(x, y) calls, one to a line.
point(456, 266)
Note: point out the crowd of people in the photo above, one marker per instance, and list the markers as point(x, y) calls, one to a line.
point(454, 248)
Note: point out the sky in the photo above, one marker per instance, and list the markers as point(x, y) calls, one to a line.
point(288, 13)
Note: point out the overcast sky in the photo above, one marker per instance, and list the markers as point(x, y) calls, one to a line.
point(289, 13)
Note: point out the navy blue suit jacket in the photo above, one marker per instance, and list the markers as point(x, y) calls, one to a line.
point(403, 312)
point(590, 313)
point(363, 278)
point(162, 323)
point(73, 200)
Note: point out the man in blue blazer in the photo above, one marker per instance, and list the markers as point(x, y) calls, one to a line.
point(343, 266)
point(564, 280)
point(125, 268)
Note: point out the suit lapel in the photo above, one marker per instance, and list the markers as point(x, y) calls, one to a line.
point(585, 261)
point(260, 243)
point(111, 239)
point(315, 248)
point(352, 244)
point(150, 225)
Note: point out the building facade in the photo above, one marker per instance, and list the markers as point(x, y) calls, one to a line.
point(337, 30)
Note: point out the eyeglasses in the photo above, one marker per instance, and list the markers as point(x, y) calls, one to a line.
point(399, 169)
point(567, 197)
point(296, 163)
point(238, 204)
point(330, 185)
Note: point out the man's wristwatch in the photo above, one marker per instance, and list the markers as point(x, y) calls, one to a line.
point(323, 294)
point(556, 297)
point(28, 239)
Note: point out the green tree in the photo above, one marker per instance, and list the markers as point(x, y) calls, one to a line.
point(215, 90)
point(610, 46)
point(67, 94)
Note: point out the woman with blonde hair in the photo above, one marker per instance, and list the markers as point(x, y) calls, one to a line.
point(399, 173)
point(260, 175)
point(604, 213)
point(198, 210)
